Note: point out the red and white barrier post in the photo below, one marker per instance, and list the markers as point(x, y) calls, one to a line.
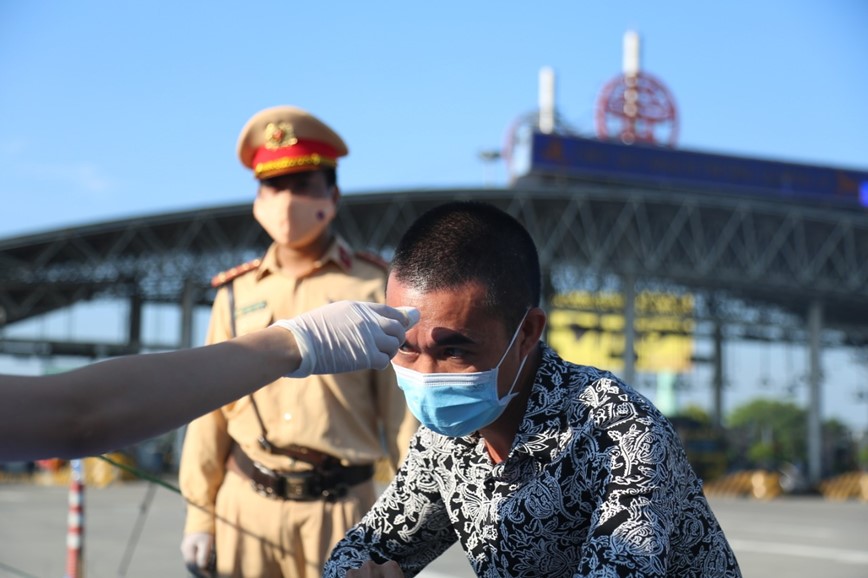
point(75, 524)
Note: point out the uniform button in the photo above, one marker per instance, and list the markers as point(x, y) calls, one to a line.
point(287, 416)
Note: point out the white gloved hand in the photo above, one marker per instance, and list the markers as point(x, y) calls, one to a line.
point(348, 336)
point(196, 549)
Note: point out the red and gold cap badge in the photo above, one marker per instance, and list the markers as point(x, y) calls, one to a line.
point(279, 135)
point(287, 139)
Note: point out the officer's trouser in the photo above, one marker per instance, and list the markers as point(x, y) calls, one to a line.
point(267, 538)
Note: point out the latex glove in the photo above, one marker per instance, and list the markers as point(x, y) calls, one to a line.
point(348, 336)
point(196, 548)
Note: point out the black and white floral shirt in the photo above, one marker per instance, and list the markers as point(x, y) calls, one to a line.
point(596, 484)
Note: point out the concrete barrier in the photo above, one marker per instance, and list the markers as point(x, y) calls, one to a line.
point(849, 486)
point(757, 484)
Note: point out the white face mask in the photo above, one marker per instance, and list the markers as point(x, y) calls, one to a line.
point(293, 220)
point(457, 404)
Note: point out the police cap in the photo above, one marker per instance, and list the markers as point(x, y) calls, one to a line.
point(288, 139)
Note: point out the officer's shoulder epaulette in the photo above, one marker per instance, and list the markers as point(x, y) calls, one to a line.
point(372, 258)
point(226, 276)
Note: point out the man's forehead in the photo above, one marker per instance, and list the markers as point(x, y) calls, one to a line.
point(396, 286)
point(453, 313)
point(403, 289)
point(432, 280)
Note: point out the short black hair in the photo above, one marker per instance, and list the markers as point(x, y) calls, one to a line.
point(331, 176)
point(465, 241)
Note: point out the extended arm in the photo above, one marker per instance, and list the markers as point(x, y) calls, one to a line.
point(120, 401)
point(408, 525)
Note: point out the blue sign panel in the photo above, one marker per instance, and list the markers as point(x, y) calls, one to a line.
point(589, 158)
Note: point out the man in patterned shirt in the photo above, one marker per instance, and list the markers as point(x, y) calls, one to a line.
point(538, 466)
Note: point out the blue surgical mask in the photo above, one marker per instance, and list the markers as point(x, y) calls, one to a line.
point(456, 404)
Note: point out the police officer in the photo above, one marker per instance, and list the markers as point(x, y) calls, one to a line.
point(276, 478)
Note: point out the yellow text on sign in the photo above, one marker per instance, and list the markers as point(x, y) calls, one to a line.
point(663, 330)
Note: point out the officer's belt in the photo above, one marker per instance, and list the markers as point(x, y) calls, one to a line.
point(317, 484)
point(310, 456)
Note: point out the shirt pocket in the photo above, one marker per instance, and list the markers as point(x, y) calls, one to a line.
point(253, 321)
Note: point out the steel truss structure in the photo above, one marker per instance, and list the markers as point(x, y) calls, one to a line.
point(759, 268)
point(757, 265)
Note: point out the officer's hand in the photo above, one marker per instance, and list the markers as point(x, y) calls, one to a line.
point(372, 570)
point(348, 336)
point(196, 549)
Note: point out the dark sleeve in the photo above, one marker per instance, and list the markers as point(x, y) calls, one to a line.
point(629, 533)
point(647, 498)
point(408, 523)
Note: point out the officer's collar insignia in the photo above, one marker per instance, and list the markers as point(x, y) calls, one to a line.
point(279, 135)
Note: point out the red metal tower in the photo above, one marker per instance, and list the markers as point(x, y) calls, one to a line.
point(636, 107)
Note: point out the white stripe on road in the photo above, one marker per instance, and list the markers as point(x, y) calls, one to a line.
point(806, 551)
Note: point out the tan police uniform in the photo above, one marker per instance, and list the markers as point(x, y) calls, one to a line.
point(281, 475)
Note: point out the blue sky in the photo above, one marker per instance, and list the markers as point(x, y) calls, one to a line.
point(111, 109)
point(114, 109)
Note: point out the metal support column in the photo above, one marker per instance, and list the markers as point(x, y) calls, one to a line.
point(188, 299)
point(629, 329)
point(134, 333)
point(547, 294)
point(717, 376)
point(815, 409)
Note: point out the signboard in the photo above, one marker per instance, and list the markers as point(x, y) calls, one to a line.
point(588, 328)
point(553, 154)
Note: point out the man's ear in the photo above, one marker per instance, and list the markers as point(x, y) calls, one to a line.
point(532, 329)
point(336, 195)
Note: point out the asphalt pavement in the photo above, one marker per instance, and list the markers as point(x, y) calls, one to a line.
point(134, 528)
